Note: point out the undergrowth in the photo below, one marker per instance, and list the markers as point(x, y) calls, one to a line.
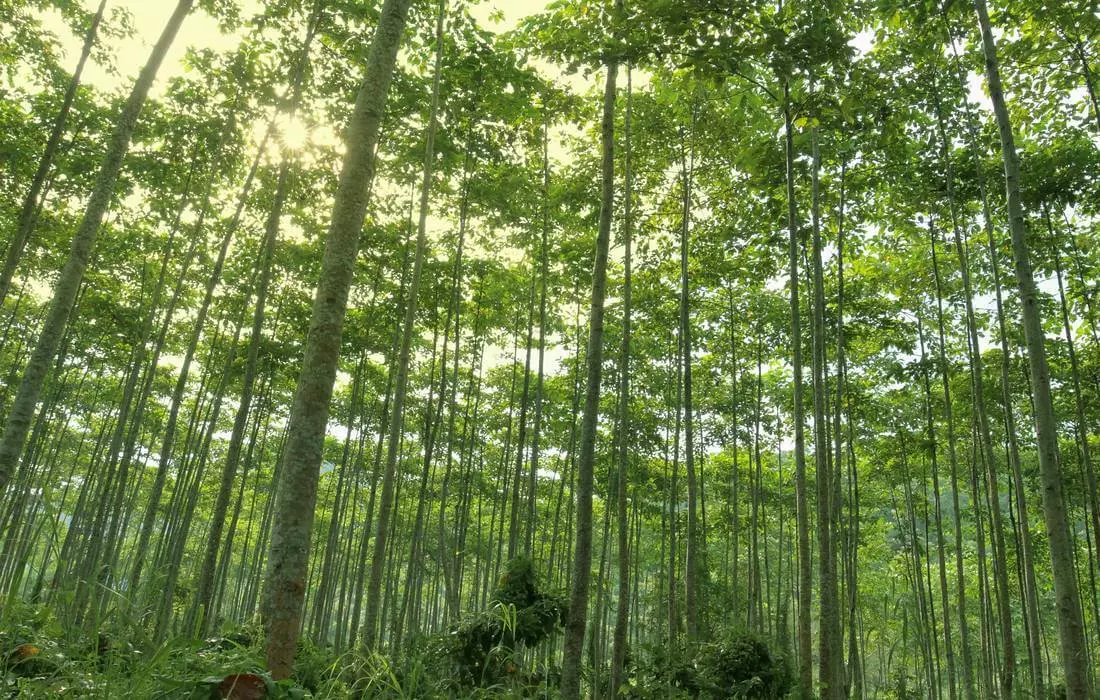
point(500, 652)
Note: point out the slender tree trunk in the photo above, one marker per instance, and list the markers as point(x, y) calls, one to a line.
point(397, 412)
point(297, 489)
point(622, 611)
point(831, 657)
point(544, 263)
point(968, 686)
point(756, 466)
point(521, 429)
point(1071, 630)
point(933, 448)
point(804, 634)
point(1030, 597)
point(735, 482)
point(692, 558)
point(674, 498)
point(582, 556)
point(68, 284)
point(852, 678)
point(449, 563)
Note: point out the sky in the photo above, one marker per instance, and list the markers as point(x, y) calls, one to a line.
point(150, 16)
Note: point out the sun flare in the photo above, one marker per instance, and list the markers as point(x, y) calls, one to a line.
point(294, 134)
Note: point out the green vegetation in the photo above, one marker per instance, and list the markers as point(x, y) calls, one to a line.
point(582, 348)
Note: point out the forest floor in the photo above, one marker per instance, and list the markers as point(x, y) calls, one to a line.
point(40, 657)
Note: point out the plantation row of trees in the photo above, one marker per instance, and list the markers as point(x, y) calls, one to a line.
point(733, 321)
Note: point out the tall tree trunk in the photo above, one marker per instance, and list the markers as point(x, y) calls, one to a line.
point(397, 412)
point(622, 611)
point(805, 655)
point(674, 498)
point(296, 493)
point(968, 685)
point(582, 556)
point(830, 656)
point(1030, 599)
point(1071, 630)
point(32, 202)
point(544, 272)
point(521, 428)
point(68, 284)
point(692, 558)
point(933, 448)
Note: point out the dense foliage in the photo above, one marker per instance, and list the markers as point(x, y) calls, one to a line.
point(396, 348)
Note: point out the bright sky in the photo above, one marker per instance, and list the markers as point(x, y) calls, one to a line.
point(150, 16)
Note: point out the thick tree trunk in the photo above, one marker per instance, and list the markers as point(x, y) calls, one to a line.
point(296, 493)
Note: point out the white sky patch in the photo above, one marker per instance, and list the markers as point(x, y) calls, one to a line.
point(977, 94)
point(505, 15)
point(863, 42)
point(201, 31)
point(148, 18)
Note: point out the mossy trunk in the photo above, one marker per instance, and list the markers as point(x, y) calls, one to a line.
point(296, 497)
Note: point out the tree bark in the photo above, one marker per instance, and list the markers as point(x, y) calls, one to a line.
point(1070, 621)
point(582, 556)
point(804, 634)
point(622, 611)
point(830, 657)
point(692, 560)
point(296, 493)
point(397, 412)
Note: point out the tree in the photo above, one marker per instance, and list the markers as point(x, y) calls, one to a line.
point(284, 585)
point(1070, 623)
point(582, 554)
point(68, 283)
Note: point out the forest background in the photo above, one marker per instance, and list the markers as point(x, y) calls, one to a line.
point(441, 348)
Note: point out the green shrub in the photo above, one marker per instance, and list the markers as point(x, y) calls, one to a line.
point(737, 666)
point(481, 647)
point(742, 666)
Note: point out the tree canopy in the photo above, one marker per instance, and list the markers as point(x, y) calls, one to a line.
point(595, 348)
